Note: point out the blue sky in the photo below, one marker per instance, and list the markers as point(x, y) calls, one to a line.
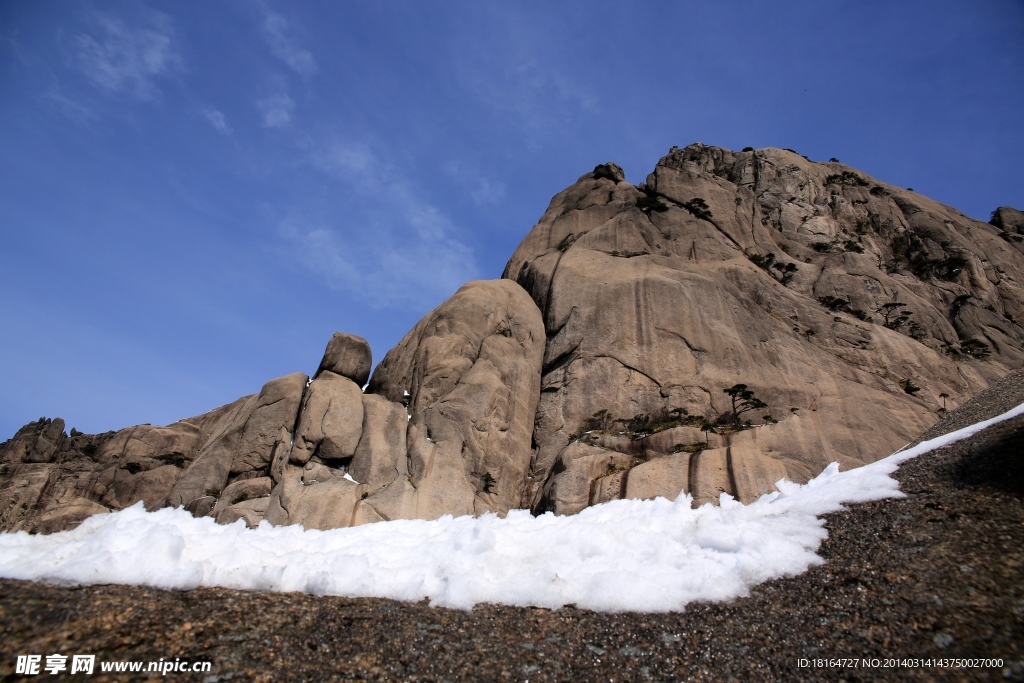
point(195, 195)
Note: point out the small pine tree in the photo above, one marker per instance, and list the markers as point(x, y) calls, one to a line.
point(743, 400)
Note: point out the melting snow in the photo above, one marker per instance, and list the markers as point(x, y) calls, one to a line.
point(655, 555)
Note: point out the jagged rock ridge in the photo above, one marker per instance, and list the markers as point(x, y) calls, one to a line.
point(738, 318)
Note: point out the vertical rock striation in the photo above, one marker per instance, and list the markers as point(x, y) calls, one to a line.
point(764, 269)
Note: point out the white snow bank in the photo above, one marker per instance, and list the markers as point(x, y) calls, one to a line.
point(655, 555)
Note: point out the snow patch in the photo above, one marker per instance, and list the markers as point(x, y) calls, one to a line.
point(652, 556)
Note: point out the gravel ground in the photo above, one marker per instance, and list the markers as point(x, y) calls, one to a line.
point(1005, 394)
point(937, 574)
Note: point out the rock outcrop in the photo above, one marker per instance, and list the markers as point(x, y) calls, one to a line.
point(853, 309)
point(448, 432)
point(738, 318)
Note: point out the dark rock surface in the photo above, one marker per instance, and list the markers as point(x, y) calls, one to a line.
point(938, 574)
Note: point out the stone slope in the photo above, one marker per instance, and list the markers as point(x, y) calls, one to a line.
point(855, 309)
point(738, 318)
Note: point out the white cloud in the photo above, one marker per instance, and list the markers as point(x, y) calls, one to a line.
point(217, 120)
point(523, 73)
point(276, 34)
point(531, 94)
point(354, 161)
point(403, 251)
point(487, 192)
point(389, 270)
point(484, 192)
point(276, 110)
point(122, 58)
point(74, 110)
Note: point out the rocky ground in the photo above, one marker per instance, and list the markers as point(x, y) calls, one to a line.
point(937, 574)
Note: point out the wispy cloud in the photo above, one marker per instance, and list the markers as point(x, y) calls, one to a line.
point(276, 34)
point(217, 120)
point(522, 73)
point(402, 251)
point(72, 109)
point(531, 93)
point(487, 192)
point(120, 58)
point(276, 110)
point(389, 271)
point(482, 190)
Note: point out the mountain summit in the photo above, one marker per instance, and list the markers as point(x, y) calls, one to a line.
point(738, 318)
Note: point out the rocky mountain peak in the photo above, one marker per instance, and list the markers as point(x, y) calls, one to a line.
point(838, 300)
point(737, 318)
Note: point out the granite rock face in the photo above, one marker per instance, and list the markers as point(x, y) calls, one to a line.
point(738, 318)
point(446, 428)
point(470, 373)
point(855, 310)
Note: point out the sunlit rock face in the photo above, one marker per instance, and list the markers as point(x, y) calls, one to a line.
point(853, 309)
point(737, 318)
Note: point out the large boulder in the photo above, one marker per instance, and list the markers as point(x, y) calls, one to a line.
point(445, 427)
point(349, 356)
point(330, 420)
point(381, 456)
point(1011, 222)
point(317, 497)
point(111, 470)
point(35, 442)
point(470, 375)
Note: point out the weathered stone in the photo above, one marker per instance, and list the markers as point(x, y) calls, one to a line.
point(35, 442)
point(469, 372)
point(330, 421)
point(326, 503)
point(663, 477)
point(571, 486)
point(380, 457)
point(251, 511)
point(138, 479)
point(854, 309)
point(240, 491)
point(68, 515)
point(244, 441)
point(202, 507)
point(669, 440)
point(611, 171)
point(765, 269)
point(143, 463)
point(1010, 221)
point(349, 356)
point(20, 494)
